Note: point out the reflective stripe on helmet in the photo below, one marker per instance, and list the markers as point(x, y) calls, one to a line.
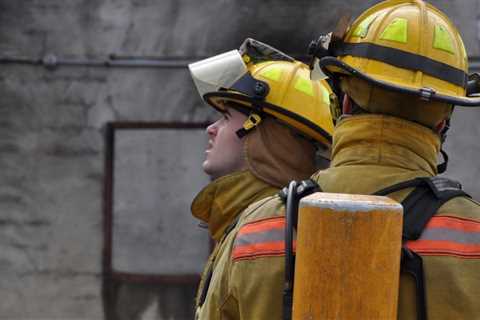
point(362, 29)
point(304, 85)
point(397, 31)
point(442, 39)
point(273, 74)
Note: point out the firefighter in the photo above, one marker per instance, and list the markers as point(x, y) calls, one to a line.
point(402, 66)
point(273, 119)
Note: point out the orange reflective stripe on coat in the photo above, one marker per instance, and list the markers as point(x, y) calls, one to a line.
point(260, 238)
point(449, 236)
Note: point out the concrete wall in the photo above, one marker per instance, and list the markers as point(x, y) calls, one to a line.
point(52, 122)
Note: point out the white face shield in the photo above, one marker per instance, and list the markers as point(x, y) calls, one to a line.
point(220, 71)
point(223, 70)
point(316, 73)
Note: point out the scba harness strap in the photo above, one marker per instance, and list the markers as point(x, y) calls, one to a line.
point(291, 196)
point(419, 207)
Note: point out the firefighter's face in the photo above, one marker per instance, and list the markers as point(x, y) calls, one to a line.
point(224, 153)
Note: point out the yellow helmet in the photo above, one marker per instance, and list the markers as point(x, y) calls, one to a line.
point(272, 84)
point(405, 46)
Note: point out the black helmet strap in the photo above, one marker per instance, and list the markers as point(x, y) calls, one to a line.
point(254, 88)
point(257, 90)
point(403, 59)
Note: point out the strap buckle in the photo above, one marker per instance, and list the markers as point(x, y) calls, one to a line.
point(252, 121)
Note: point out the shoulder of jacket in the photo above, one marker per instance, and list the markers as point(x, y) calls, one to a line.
point(452, 231)
point(260, 231)
point(268, 207)
point(463, 207)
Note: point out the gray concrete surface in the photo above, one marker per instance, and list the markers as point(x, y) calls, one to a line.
point(52, 122)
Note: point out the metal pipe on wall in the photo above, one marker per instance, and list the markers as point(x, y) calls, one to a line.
point(52, 61)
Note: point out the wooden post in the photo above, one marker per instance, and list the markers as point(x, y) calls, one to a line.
point(347, 257)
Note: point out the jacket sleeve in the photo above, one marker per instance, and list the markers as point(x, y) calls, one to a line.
point(256, 288)
point(255, 269)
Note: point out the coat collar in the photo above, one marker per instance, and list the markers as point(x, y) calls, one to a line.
point(385, 141)
point(220, 202)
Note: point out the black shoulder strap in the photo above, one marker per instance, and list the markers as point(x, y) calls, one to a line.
point(422, 203)
point(291, 196)
point(419, 206)
point(412, 264)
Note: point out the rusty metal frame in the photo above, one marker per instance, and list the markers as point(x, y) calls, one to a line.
point(110, 279)
point(109, 275)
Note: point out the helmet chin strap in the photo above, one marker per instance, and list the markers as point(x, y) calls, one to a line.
point(258, 91)
point(253, 120)
point(442, 131)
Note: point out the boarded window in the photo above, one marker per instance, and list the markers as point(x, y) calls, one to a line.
point(155, 249)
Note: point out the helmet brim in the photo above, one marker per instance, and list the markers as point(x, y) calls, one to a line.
point(331, 67)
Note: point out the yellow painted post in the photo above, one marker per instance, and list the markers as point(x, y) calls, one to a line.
point(347, 257)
